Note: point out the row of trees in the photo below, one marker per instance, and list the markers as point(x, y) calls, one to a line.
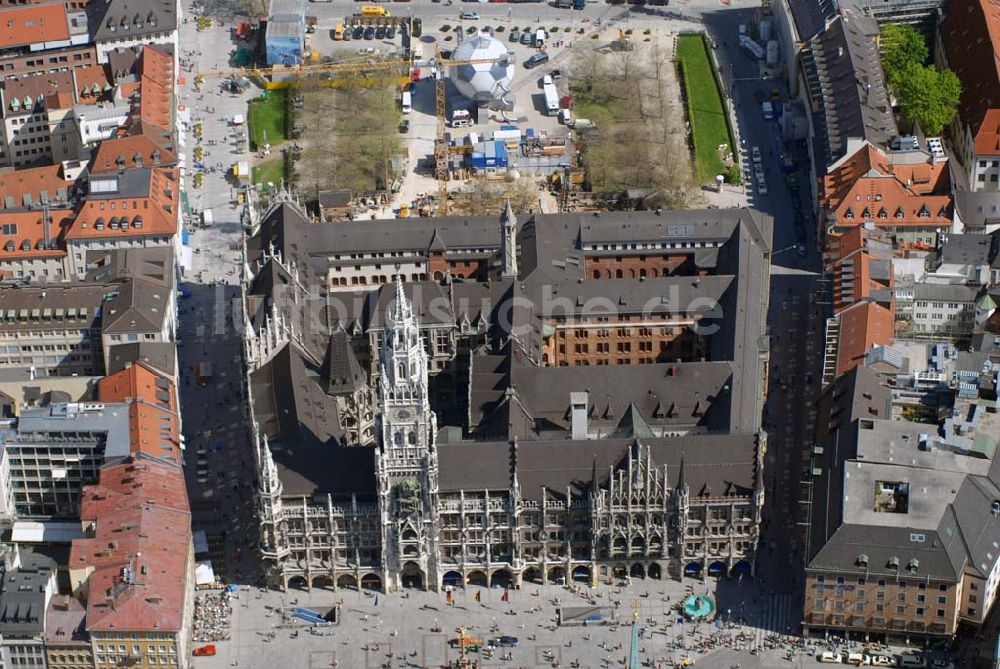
point(925, 94)
point(634, 99)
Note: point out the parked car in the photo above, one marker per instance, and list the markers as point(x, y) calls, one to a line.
point(882, 661)
point(556, 74)
point(830, 657)
point(369, 33)
point(536, 60)
point(527, 38)
point(755, 152)
point(380, 32)
point(508, 641)
point(404, 126)
point(514, 35)
point(390, 32)
point(469, 15)
point(358, 32)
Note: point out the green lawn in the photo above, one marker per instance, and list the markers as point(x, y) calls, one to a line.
point(272, 170)
point(268, 115)
point(709, 124)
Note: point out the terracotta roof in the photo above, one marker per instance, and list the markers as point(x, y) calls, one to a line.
point(24, 188)
point(154, 428)
point(33, 24)
point(26, 239)
point(970, 33)
point(128, 152)
point(987, 139)
point(139, 526)
point(92, 83)
point(156, 70)
point(151, 211)
point(859, 261)
point(862, 326)
point(869, 185)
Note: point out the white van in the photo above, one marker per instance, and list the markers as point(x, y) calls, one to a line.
point(407, 102)
point(461, 118)
point(830, 657)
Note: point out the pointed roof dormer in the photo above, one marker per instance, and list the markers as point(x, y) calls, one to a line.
point(437, 244)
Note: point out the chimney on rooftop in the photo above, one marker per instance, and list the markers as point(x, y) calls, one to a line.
point(578, 415)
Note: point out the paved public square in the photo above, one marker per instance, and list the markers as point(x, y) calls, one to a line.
point(412, 629)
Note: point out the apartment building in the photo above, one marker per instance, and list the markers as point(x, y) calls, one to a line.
point(68, 329)
point(52, 331)
point(860, 265)
point(36, 206)
point(902, 506)
point(852, 333)
point(968, 40)
point(116, 24)
point(135, 565)
point(67, 645)
point(50, 453)
point(24, 599)
point(944, 310)
point(132, 208)
point(16, 64)
point(905, 193)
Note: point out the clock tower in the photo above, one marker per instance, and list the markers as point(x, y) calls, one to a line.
point(406, 458)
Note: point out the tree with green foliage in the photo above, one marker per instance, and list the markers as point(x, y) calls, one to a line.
point(902, 46)
point(929, 96)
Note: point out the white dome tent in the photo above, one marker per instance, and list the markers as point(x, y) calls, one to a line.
point(487, 81)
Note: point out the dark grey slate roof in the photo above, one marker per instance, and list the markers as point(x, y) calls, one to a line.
point(714, 465)
point(977, 209)
point(161, 356)
point(968, 249)
point(22, 602)
point(137, 305)
point(810, 16)
point(112, 20)
point(290, 404)
point(847, 85)
point(341, 371)
point(880, 545)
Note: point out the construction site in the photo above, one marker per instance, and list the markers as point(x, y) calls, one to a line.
point(452, 119)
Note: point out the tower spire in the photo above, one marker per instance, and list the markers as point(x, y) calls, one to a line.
point(508, 239)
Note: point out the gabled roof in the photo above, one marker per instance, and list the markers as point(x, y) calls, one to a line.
point(136, 306)
point(155, 91)
point(21, 189)
point(117, 20)
point(132, 151)
point(987, 137)
point(870, 185)
point(138, 545)
point(862, 326)
point(29, 234)
point(970, 33)
point(31, 24)
point(847, 85)
point(154, 424)
point(146, 198)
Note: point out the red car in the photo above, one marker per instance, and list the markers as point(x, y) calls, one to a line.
point(205, 651)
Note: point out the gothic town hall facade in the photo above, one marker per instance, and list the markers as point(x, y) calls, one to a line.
point(493, 401)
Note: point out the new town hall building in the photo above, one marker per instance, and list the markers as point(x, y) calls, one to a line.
point(474, 400)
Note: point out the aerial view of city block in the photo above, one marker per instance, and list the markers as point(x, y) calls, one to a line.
point(512, 334)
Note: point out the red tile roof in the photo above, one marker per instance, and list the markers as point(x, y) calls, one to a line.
point(121, 152)
point(139, 519)
point(970, 33)
point(987, 139)
point(862, 326)
point(849, 258)
point(92, 83)
point(156, 86)
point(33, 24)
point(869, 186)
point(157, 210)
point(27, 231)
point(154, 427)
point(33, 182)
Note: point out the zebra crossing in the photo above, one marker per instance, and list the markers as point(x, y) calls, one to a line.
point(776, 615)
